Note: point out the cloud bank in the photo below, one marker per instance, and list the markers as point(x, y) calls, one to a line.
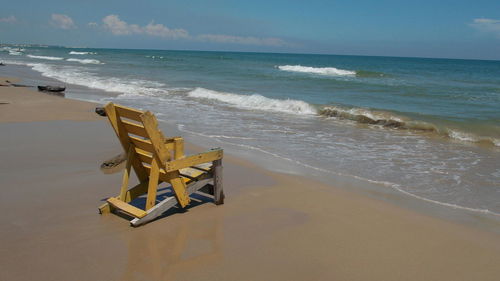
point(487, 25)
point(62, 21)
point(119, 27)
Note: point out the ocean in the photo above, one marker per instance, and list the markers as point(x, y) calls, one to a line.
point(425, 128)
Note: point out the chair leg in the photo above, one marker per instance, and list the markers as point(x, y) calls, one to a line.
point(181, 193)
point(218, 188)
point(153, 185)
point(126, 173)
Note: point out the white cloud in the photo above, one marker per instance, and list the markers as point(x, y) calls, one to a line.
point(119, 27)
point(243, 40)
point(163, 31)
point(487, 25)
point(9, 19)
point(92, 24)
point(62, 21)
point(116, 26)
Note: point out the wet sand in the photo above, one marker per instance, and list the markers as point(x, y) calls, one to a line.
point(272, 227)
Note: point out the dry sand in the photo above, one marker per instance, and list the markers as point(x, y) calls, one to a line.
point(272, 227)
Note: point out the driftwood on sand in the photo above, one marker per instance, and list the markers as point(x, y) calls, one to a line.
point(49, 88)
point(114, 164)
point(100, 111)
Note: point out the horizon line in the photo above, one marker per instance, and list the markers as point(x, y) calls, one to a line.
point(251, 52)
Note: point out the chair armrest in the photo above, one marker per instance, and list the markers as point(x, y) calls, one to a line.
point(192, 160)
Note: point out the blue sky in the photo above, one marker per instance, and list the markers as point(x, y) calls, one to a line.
point(451, 29)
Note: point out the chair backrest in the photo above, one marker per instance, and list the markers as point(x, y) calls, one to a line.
point(140, 129)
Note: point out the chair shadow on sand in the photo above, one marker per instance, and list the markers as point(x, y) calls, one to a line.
point(165, 192)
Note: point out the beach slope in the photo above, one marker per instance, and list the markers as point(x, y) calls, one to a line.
point(272, 227)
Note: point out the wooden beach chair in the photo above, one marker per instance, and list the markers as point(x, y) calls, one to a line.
point(156, 159)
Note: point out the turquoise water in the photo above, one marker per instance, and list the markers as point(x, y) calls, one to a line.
point(426, 127)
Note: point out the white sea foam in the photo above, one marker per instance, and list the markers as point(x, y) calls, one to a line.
point(75, 75)
point(466, 137)
point(81, 53)
point(255, 102)
point(394, 186)
point(85, 61)
point(461, 136)
point(329, 71)
point(79, 75)
point(12, 51)
point(44, 57)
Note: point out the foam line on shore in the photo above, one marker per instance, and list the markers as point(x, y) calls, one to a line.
point(44, 57)
point(391, 185)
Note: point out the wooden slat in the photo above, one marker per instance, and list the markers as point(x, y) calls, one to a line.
point(178, 148)
point(179, 186)
point(122, 135)
point(104, 208)
point(142, 144)
point(170, 147)
point(156, 137)
point(127, 208)
point(166, 177)
point(145, 156)
point(190, 172)
point(193, 160)
point(136, 129)
point(175, 146)
point(202, 168)
point(130, 113)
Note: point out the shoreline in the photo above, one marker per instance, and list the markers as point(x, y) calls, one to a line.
point(287, 226)
point(399, 193)
point(379, 190)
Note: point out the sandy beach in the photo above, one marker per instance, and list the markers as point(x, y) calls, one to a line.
point(272, 227)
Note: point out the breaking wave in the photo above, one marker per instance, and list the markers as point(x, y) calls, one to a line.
point(74, 75)
point(13, 51)
point(380, 119)
point(81, 53)
point(255, 101)
point(329, 71)
point(44, 57)
point(86, 61)
point(392, 121)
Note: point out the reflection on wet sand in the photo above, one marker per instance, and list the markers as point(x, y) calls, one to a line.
point(154, 255)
